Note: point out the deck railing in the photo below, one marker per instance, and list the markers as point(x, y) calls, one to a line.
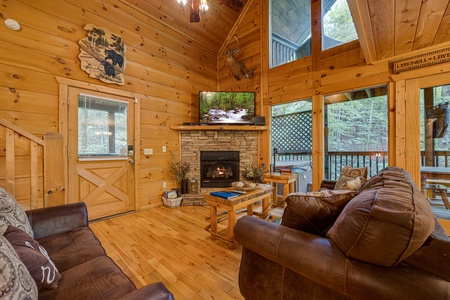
point(31, 168)
point(440, 158)
point(374, 161)
point(283, 51)
point(336, 161)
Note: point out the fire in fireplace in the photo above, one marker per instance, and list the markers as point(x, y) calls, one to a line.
point(218, 168)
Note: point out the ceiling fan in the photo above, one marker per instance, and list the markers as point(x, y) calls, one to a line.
point(198, 7)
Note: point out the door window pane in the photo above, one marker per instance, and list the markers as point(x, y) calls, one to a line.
point(102, 127)
point(290, 30)
point(337, 24)
point(356, 131)
point(435, 145)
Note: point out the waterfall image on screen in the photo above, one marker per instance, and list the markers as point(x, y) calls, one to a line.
point(226, 107)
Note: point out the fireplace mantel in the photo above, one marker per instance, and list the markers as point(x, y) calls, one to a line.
point(219, 127)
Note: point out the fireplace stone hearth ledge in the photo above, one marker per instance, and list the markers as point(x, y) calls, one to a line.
point(193, 139)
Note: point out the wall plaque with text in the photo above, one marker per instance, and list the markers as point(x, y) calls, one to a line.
point(420, 61)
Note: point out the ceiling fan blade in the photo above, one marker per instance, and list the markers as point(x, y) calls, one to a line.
point(235, 5)
point(195, 11)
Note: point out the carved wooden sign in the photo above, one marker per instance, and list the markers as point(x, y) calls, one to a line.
point(102, 55)
point(420, 61)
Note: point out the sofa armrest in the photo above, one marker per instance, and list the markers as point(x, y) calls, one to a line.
point(57, 219)
point(289, 247)
point(154, 291)
point(328, 184)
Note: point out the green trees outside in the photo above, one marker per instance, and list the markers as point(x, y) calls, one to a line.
point(359, 125)
point(338, 22)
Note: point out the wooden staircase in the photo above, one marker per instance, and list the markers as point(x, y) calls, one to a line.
point(32, 169)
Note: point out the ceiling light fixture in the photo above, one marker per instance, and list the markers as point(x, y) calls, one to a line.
point(197, 7)
point(203, 6)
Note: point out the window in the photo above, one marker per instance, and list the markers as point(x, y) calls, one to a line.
point(337, 24)
point(434, 136)
point(292, 140)
point(102, 127)
point(435, 145)
point(356, 131)
point(290, 30)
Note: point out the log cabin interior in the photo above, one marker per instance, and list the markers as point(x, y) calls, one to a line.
point(401, 50)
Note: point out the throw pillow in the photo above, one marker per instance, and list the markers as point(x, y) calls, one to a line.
point(11, 213)
point(349, 173)
point(315, 212)
point(353, 185)
point(35, 258)
point(15, 280)
point(386, 222)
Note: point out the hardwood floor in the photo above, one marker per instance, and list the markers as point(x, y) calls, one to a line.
point(171, 246)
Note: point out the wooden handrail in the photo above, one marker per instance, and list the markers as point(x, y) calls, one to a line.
point(20, 131)
point(46, 152)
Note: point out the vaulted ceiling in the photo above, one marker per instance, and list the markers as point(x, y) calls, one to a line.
point(386, 29)
point(213, 27)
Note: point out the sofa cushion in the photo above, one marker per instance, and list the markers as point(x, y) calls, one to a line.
point(35, 258)
point(349, 173)
point(99, 278)
point(72, 248)
point(11, 213)
point(386, 222)
point(15, 280)
point(315, 212)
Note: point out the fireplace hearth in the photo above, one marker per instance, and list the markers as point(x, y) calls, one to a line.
point(218, 168)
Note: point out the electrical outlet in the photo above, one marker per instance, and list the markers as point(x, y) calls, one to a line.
point(164, 148)
point(148, 151)
point(164, 184)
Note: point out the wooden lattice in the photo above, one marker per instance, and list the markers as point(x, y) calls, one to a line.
point(292, 133)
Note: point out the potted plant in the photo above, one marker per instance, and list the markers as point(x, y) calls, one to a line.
point(179, 170)
point(254, 172)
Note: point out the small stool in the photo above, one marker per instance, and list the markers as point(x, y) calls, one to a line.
point(288, 181)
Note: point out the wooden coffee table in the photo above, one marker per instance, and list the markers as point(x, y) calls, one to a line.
point(263, 193)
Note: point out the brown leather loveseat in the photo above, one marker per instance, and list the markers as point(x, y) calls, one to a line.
point(381, 242)
point(83, 270)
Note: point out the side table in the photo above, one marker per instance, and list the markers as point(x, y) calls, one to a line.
point(288, 181)
point(232, 205)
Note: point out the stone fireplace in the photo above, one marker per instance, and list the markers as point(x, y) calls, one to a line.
point(193, 142)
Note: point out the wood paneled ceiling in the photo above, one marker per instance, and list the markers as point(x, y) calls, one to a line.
point(211, 31)
point(392, 29)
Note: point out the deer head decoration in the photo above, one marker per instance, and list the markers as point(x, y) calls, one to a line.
point(237, 67)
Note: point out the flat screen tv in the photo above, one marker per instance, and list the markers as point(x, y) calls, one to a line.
point(233, 108)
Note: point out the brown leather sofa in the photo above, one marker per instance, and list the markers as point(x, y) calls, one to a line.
point(87, 272)
point(382, 262)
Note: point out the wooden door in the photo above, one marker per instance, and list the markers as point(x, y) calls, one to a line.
point(101, 169)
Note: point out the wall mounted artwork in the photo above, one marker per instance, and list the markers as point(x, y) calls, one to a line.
point(102, 55)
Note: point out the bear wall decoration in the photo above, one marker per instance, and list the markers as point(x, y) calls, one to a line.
point(102, 55)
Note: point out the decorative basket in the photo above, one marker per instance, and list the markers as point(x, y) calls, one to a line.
point(174, 202)
point(244, 185)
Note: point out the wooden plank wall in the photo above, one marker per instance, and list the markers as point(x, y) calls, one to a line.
point(170, 69)
point(162, 64)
